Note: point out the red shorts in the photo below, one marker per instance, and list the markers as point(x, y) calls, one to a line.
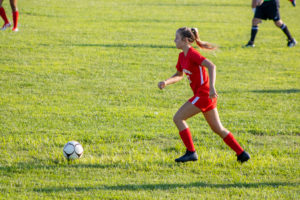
point(204, 103)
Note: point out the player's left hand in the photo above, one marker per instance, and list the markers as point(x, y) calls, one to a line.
point(213, 93)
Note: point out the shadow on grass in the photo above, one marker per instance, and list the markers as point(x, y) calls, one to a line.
point(288, 91)
point(209, 4)
point(143, 20)
point(126, 45)
point(22, 167)
point(166, 186)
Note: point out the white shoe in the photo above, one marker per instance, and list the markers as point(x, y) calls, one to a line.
point(15, 29)
point(292, 43)
point(5, 26)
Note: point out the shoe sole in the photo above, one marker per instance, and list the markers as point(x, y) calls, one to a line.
point(292, 45)
point(185, 161)
point(249, 46)
point(5, 27)
point(242, 161)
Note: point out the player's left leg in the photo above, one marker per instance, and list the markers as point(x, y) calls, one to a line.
point(213, 119)
point(13, 5)
point(293, 2)
point(291, 41)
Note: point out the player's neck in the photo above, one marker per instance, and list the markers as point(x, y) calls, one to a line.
point(185, 49)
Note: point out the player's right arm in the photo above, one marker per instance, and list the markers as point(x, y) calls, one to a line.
point(173, 79)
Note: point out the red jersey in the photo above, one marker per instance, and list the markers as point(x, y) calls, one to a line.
point(195, 72)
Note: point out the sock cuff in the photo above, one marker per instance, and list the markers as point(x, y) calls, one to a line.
point(283, 26)
point(184, 131)
point(229, 136)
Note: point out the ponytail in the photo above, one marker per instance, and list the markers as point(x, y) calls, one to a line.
point(202, 44)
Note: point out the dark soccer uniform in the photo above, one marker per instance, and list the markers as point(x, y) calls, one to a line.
point(269, 9)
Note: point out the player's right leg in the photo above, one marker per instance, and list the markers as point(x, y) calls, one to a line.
point(254, 30)
point(260, 14)
point(186, 111)
point(4, 17)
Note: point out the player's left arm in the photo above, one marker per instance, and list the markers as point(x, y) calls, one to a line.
point(212, 77)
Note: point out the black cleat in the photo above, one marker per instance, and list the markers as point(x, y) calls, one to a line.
point(250, 44)
point(243, 157)
point(188, 156)
point(293, 2)
point(292, 43)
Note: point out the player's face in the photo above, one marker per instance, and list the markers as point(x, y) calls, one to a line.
point(178, 41)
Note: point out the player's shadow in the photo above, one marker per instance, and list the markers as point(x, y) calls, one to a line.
point(288, 91)
point(134, 187)
point(127, 45)
point(201, 4)
point(268, 91)
point(22, 167)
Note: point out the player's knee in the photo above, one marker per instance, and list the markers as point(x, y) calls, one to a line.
point(255, 22)
point(278, 23)
point(216, 130)
point(13, 7)
point(220, 130)
point(177, 119)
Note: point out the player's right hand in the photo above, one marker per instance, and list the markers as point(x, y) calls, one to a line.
point(259, 2)
point(162, 85)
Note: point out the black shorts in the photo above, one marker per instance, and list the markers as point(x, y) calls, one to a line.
point(268, 10)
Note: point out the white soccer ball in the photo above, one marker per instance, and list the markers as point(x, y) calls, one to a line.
point(73, 150)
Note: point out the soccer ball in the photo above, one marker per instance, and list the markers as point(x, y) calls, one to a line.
point(73, 150)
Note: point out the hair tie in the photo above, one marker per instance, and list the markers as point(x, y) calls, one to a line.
point(194, 29)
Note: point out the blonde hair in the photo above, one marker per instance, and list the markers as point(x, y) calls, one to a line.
point(192, 35)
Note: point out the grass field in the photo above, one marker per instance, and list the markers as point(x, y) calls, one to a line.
point(88, 71)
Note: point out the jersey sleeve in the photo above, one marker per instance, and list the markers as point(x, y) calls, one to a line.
point(178, 66)
point(197, 58)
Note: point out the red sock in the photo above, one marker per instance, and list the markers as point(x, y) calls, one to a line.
point(15, 17)
point(186, 137)
point(3, 15)
point(233, 144)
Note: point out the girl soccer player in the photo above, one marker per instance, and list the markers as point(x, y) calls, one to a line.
point(7, 24)
point(193, 64)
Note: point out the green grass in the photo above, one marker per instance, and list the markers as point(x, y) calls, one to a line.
point(88, 71)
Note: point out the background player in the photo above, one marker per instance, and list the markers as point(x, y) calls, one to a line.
point(193, 64)
point(15, 12)
point(293, 2)
point(268, 9)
